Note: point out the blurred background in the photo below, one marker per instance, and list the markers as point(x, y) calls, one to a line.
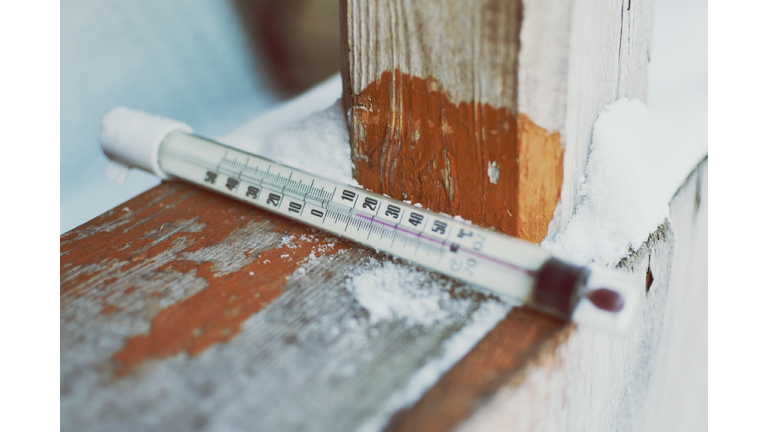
point(213, 64)
point(216, 64)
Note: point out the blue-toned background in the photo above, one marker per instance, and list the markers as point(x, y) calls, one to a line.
point(184, 59)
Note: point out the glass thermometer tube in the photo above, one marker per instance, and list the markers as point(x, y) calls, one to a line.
point(495, 262)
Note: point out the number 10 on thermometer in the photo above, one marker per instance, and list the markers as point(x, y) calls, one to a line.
point(589, 294)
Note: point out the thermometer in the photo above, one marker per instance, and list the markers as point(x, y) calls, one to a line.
point(605, 298)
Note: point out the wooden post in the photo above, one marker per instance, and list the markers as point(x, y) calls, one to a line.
point(483, 109)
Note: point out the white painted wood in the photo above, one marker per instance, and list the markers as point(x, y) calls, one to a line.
point(543, 66)
point(678, 390)
point(655, 379)
point(313, 359)
point(609, 51)
point(576, 57)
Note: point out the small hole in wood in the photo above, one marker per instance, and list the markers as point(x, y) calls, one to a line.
point(648, 276)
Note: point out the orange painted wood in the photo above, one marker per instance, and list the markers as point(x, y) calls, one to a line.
point(170, 233)
point(180, 285)
point(481, 162)
point(434, 114)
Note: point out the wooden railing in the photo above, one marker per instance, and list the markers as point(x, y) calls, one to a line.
point(184, 310)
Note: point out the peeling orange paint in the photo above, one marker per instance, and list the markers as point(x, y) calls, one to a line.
point(215, 314)
point(410, 141)
point(136, 240)
point(109, 309)
point(183, 219)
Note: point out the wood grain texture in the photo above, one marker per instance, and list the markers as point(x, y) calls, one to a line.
point(491, 365)
point(172, 257)
point(469, 47)
point(431, 89)
point(567, 78)
point(184, 310)
point(512, 90)
point(458, 159)
point(139, 273)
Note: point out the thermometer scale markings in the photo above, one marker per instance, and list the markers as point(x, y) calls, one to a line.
point(285, 186)
point(585, 293)
point(322, 197)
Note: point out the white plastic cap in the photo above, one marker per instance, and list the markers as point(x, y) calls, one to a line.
point(131, 139)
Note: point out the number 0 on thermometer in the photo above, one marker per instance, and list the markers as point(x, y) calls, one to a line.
point(594, 295)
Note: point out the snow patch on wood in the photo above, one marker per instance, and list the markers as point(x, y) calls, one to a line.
point(391, 291)
point(637, 161)
point(654, 378)
point(318, 144)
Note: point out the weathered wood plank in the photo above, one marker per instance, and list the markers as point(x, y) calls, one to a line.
point(156, 251)
point(492, 364)
point(186, 310)
point(653, 379)
point(157, 331)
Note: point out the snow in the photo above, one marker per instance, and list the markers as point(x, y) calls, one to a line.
point(640, 155)
point(638, 158)
point(287, 241)
point(293, 135)
point(391, 291)
point(288, 113)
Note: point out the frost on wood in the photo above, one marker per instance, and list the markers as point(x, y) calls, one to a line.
point(396, 292)
point(454, 348)
point(655, 378)
point(176, 299)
